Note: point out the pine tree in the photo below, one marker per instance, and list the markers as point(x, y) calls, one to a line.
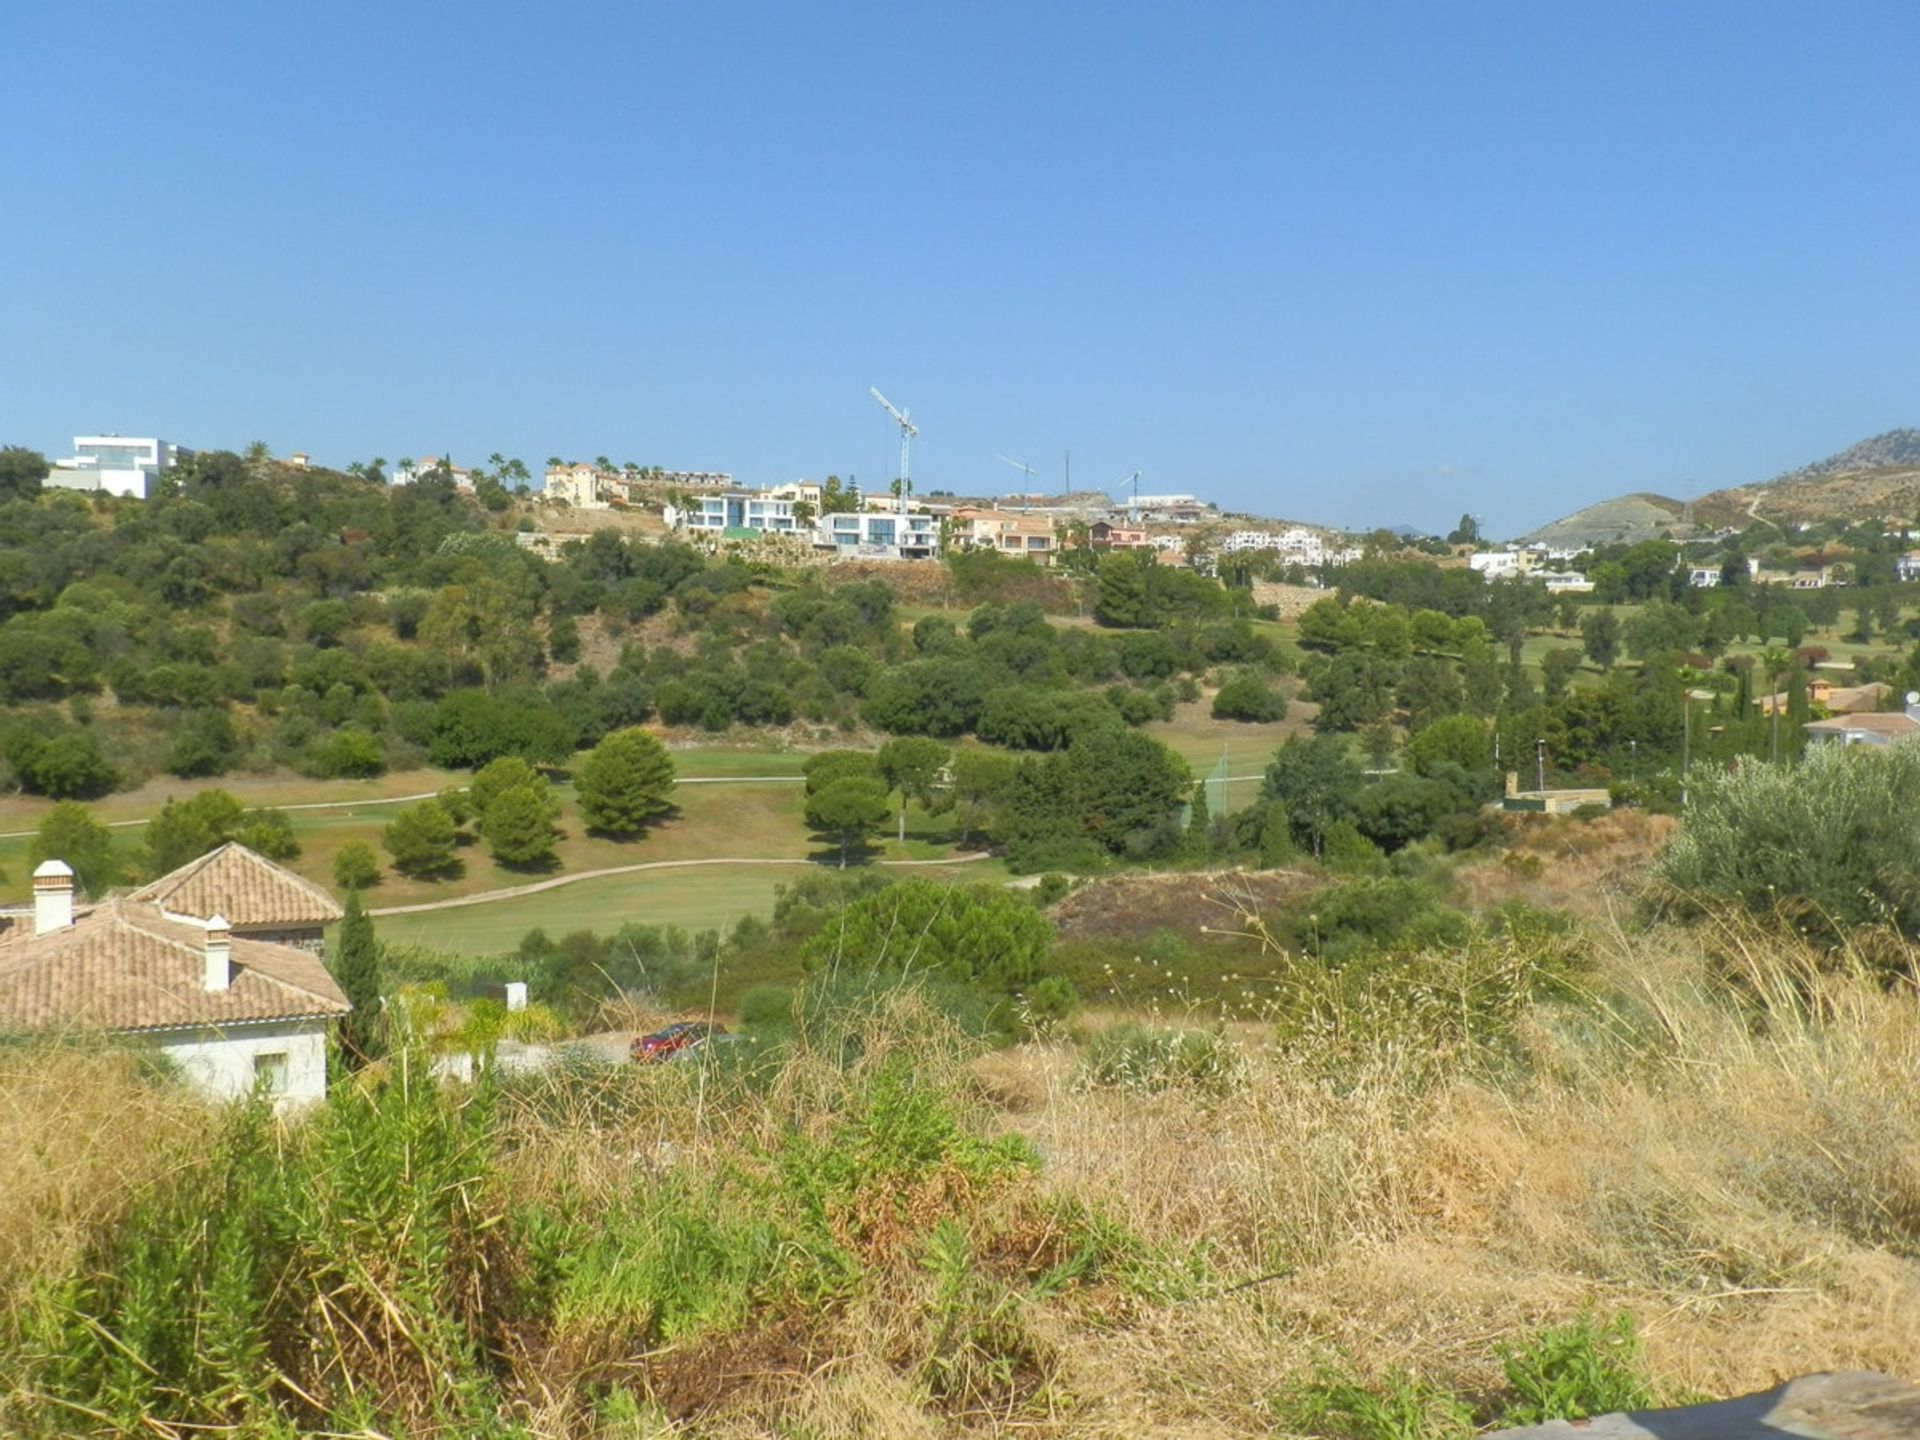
point(518, 825)
point(421, 840)
point(356, 965)
point(624, 783)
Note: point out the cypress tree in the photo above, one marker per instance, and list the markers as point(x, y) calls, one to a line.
point(356, 965)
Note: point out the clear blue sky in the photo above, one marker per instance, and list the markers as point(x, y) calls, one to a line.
point(1353, 263)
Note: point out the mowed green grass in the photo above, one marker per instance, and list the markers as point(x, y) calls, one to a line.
point(1200, 740)
point(743, 818)
point(695, 898)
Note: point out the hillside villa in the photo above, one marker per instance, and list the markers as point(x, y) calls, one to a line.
point(1006, 531)
point(1834, 699)
point(1882, 728)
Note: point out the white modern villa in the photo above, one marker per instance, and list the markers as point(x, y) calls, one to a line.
point(116, 464)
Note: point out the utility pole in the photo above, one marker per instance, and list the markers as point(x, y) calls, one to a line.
point(1686, 742)
point(1069, 466)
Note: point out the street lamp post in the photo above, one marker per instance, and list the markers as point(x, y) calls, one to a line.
point(1540, 766)
point(1686, 735)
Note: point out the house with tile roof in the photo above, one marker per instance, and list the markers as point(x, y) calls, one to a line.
point(1879, 728)
point(232, 1010)
point(260, 900)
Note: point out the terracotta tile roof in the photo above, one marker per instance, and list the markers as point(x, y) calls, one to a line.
point(1893, 723)
point(122, 966)
point(246, 887)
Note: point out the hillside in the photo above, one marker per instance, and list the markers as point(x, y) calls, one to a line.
point(1623, 521)
point(1875, 479)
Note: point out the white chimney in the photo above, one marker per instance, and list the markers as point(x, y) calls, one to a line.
point(219, 974)
point(52, 896)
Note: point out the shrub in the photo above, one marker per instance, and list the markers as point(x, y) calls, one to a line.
point(1053, 886)
point(67, 767)
point(974, 934)
point(203, 744)
point(1371, 913)
point(1050, 1002)
point(763, 1007)
point(68, 832)
point(1831, 844)
point(1402, 1407)
point(1248, 697)
point(1134, 1057)
point(356, 865)
point(1588, 1368)
point(346, 754)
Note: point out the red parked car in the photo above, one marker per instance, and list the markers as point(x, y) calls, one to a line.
point(674, 1040)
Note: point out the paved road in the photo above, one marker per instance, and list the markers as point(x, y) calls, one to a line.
point(487, 897)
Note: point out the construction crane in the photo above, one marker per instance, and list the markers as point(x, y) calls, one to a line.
point(907, 431)
point(1026, 470)
point(1134, 481)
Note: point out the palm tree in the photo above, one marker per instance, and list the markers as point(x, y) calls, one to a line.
point(1773, 660)
point(259, 450)
point(554, 462)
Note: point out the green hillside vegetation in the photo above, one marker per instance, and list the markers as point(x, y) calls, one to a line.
point(1071, 1086)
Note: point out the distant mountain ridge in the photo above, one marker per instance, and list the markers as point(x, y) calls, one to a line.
point(1876, 479)
point(1896, 449)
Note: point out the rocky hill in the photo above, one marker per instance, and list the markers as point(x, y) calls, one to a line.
point(1626, 520)
point(1876, 479)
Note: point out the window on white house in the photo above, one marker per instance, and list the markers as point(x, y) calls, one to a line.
point(270, 1071)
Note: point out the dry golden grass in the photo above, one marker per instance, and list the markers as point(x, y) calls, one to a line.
point(1720, 1136)
point(84, 1131)
point(1744, 1179)
point(1579, 867)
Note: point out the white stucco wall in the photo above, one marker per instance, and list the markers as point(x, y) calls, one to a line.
point(221, 1062)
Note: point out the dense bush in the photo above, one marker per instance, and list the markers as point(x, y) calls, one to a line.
point(978, 935)
point(1831, 844)
point(1248, 697)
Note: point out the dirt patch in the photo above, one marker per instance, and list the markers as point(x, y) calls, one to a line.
point(728, 1371)
point(1194, 904)
point(1583, 867)
point(931, 583)
point(1288, 601)
point(565, 523)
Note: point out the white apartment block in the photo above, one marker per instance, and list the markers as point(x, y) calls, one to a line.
point(116, 464)
point(734, 510)
point(879, 535)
